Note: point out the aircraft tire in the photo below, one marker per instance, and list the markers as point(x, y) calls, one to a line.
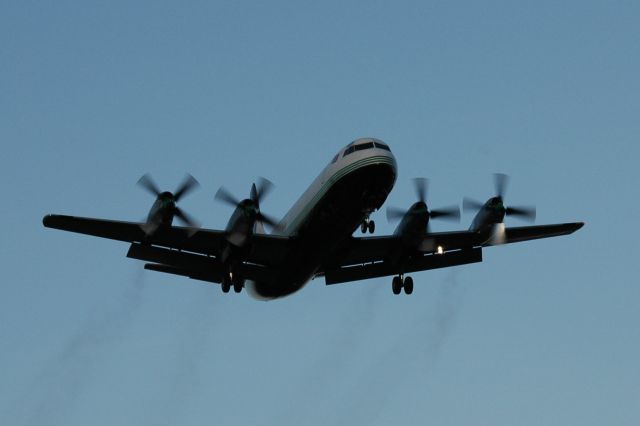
point(363, 227)
point(226, 286)
point(372, 227)
point(408, 285)
point(237, 286)
point(396, 285)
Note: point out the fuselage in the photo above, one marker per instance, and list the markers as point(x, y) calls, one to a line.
point(355, 183)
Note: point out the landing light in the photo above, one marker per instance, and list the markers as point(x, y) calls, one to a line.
point(440, 250)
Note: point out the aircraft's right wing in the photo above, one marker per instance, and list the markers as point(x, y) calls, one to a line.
point(267, 249)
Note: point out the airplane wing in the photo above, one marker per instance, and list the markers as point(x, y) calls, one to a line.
point(371, 249)
point(385, 268)
point(178, 250)
point(526, 233)
point(267, 249)
point(192, 265)
point(371, 257)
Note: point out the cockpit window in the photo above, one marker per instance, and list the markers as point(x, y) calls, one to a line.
point(360, 147)
point(383, 146)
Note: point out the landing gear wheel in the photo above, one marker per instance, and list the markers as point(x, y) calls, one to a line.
point(371, 226)
point(408, 285)
point(237, 286)
point(226, 286)
point(363, 227)
point(396, 285)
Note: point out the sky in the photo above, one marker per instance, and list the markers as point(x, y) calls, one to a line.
point(95, 94)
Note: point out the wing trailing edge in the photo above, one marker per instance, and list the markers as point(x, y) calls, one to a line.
point(423, 263)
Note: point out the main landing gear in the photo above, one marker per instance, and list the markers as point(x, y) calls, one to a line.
point(367, 225)
point(230, 281)
point(399, 282)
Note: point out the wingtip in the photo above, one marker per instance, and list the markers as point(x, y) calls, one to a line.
point(576, 226)
point(51, 220)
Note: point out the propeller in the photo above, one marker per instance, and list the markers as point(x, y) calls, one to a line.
point(169, 199)
point(251, 204)
point(421, 189)
point(501, 182)
point(496, 206)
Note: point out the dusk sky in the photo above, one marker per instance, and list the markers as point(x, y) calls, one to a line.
point(95, 94)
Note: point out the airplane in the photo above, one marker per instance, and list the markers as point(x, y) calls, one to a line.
point(315, 239)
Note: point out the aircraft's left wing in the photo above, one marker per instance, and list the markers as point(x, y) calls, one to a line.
point(371, 257)
point(526, 233)
point(385, 268)
point(370, 249)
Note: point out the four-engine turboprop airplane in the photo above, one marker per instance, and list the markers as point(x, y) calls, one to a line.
point(315, 238)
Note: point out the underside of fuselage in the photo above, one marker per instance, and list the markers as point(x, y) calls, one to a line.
point(330, 222)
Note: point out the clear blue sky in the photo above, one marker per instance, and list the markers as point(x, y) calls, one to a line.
point(94, 94)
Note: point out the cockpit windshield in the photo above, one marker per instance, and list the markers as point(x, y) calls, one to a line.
point(366, 145)
point(383, 146)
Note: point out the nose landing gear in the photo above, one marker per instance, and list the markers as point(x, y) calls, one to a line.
point(400, 282)
point(367, 225)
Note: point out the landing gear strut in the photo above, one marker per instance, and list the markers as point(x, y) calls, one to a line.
point(399, 282)
point(367, 225)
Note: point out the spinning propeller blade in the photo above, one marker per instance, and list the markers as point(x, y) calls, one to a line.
point(471, 206)
point(263, 188)
point(225, 196)
point(421, 186)
point(147, 183)
point(526, 213)
point(188, 184)
point(501, 181)
point(257, 194)
point(186, 219)
point(394, 214)
point(448, 213)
